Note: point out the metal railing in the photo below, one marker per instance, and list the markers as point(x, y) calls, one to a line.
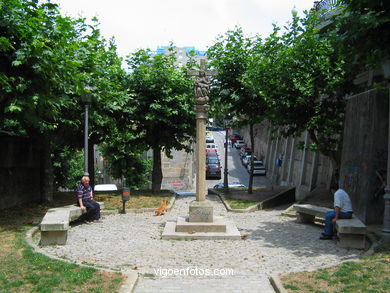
point(326, 7)
point(326, 4)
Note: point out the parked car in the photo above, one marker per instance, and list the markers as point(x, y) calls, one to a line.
point(213, 171)
point(209, 138)
point(231, 185)
point(234, 138)
point(243, 149)
point(212, 152)
point(239, 144)
point(211, 146)
point(212, 160)
point(244, 154)
point(258, 168)
point(247, 159)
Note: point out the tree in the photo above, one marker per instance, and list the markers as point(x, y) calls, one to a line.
point(229, 56)
point(126, 159)
point(364, 32)
point(46, 62)
point(37, 67)
point(163, 106)
point(302, 79)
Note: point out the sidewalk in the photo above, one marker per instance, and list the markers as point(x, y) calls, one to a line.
point(132, 242)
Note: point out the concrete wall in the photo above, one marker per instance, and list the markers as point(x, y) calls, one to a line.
point(19, 171)
point(365, 153)
point(178, 172)
point(304, 169)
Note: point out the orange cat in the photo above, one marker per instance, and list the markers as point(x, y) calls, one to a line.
point(160, 211)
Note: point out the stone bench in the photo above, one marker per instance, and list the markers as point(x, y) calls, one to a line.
point(306, 213)
point(55, 224)
point(351, 232)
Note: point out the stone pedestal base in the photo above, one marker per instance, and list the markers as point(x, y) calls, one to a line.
point(352, 241)
point(183, 225)
point(53, 237)
point(201, 231)
point(201, 212)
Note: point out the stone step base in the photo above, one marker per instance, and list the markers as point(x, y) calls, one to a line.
point(231, 233)
point(183, 225)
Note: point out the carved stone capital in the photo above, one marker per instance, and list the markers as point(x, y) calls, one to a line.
point(201, 111)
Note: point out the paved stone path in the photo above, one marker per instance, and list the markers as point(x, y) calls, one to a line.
point(276, 244)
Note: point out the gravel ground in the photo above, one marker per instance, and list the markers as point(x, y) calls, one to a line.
point(275, 244)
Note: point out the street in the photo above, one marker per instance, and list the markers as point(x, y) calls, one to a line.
point(237, 172)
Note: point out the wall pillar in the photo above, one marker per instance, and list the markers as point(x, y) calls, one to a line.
point(301, 188)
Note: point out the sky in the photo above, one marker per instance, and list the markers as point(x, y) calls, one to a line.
point(142, 24)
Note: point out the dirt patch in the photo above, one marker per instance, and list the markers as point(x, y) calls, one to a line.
point(307, 282)
point(7, 243)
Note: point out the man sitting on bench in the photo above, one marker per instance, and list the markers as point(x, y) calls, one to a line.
point(86, 202)
point(342, 210)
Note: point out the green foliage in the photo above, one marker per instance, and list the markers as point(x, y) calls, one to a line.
point(364, 32)
point(68, 167)
point(37, 64)
point(163, 101)
point(46, 63)
point(298, 78)
point(229, 56)
point(124, 160)
point(302, 78)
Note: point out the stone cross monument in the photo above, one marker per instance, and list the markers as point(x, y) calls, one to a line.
point(201, 223)
point(201, 210)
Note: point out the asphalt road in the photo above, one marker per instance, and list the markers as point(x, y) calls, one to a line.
point(236, 171)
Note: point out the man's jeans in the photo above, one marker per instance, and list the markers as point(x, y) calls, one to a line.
point(328, 230)
point(93, 210)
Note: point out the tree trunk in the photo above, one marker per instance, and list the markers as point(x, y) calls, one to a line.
point(47, 175)
point(250, 185)
point(157, 175)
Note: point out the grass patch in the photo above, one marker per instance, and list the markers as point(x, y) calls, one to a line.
point(239, 204)
point(239, 198)
point(372, 274)
point(23, 270)
point(138, 199)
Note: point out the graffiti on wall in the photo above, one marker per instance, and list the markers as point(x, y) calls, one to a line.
point(380, 184)
point(351, 179)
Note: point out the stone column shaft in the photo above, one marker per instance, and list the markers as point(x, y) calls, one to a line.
point(201, 159)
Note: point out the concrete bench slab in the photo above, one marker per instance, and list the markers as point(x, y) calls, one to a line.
point(306, 213)
point(55, 224)
point(55, 220)
point(351, 232)
point(351, 226)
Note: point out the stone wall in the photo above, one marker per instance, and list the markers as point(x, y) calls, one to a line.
point(364, 156)
point(304, 169)
point(178, 172)
point(19, 171)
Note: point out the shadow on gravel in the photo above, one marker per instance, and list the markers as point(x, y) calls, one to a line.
point(299, 239)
